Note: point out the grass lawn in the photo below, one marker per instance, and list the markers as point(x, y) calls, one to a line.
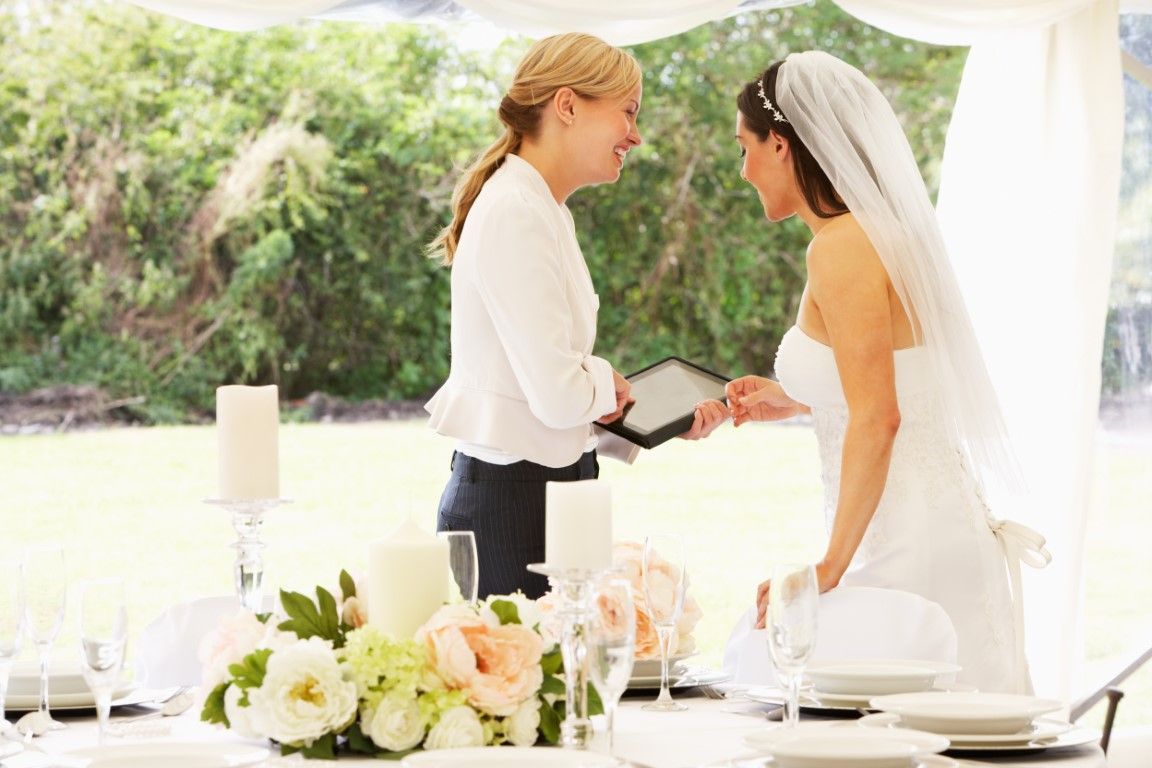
point(128, 502)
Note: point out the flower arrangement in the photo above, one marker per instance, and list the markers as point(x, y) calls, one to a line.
point(323, 680)
point(629, 555)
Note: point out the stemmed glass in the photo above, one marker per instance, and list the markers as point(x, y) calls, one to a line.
point(791, 623)
point(11, 621)
point(611, 643)
point(45, 589)
point(664, 577)
point(463, 562)
point(103, 634)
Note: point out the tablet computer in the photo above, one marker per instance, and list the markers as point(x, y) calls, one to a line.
point(666, 394)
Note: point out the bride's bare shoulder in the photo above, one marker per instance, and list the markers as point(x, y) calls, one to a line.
point(841, 244)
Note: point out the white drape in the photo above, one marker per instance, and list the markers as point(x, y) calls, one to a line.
point(1028, 203)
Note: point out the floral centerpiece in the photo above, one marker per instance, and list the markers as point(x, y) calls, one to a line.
point(629, 555)
point(321, 680)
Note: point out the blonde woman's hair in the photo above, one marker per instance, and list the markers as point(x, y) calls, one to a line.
point(586, 64)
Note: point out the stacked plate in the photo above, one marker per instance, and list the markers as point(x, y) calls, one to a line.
point(66, 690)
point(646, 674)
point(844, 745)
point(978, 721)
point(853, 684)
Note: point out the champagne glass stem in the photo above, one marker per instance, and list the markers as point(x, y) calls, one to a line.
point(610, 716)
point(103, 708)
point(42, 650)
point(5, 670)
point(792, 707)
point(664, 634)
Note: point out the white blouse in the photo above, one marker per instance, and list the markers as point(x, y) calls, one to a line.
point(524, 383)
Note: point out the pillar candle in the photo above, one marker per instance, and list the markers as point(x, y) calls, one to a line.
point(408, 577)
point(578, 525)
point(248, 425)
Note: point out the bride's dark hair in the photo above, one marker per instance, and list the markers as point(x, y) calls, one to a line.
point(814, 183)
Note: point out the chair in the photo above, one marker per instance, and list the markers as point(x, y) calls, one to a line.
point(912, 627)
point(167, 650)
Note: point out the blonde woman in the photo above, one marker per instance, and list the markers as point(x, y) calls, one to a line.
point(524, 387)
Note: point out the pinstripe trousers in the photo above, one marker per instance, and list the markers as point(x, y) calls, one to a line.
point(503, 505)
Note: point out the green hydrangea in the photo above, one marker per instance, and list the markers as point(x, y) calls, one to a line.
point(380, 664)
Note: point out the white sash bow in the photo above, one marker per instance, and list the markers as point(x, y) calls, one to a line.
point(1021, 544)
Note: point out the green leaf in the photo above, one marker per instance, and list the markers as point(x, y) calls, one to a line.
point(329, 617)
point(213, 711)
point(324, 748)
point(347, 585)
point(595, 703)
point(552, 662)
point(549, 723)
point(506, 611)
point(305, 619)
point(552, 684)
point(249, 673)
point(358, 742)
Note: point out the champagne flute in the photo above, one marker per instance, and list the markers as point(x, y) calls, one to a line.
point(103, 634)
point(664, 575)
point(463, 562)
point(793, 599)
point(11, 623)
point(45, 590)
point(611, 643)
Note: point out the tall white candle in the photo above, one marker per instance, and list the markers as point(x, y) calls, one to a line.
point(578, 525)
point(248, 426)
point(408, 577)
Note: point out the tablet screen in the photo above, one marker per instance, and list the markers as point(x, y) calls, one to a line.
point(668, 391)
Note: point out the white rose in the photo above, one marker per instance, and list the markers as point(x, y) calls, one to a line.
point(395, 724)
point(526, 608)
point(305, 694)
point(458, 727)
point(245, 721)
point(234, 637)
point(521, 725)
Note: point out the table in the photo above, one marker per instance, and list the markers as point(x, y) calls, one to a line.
point(710, 732)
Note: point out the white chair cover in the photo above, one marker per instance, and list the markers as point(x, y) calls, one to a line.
point(168, 648)
point(853, 623)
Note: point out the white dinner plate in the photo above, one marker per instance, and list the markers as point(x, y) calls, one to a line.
point(812, 699)
point(173, 755)
point(125, 694)
point(767, 738)
point(876, 676)
point(1076, 737)
point(507, 757)
point(920, 761)
point(651, 667)
point(968, 713)
point(1040, 729)
point(25, 681)
point(685, 678)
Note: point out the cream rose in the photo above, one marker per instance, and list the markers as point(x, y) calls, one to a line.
point(305, 694)
point(396, 724)
point(521, 725)
point(233, 638)
point(458, 727)
point(245, 721)
point(354, 612)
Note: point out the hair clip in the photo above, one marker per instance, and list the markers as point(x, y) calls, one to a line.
point(776, 114)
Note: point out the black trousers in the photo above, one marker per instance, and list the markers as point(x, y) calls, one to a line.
point(503, 505)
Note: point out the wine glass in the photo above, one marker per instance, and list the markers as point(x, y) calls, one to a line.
point(611, 643)
point(664, 575)
point(45, 589)
point(103, 634)
point(791, 624)
point(11, 623)
point(463, 562)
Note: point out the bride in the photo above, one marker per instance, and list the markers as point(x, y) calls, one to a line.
point(884, 358)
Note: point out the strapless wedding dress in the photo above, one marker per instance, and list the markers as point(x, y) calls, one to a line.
point(931, 534)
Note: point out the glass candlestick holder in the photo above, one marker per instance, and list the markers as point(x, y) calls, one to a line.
point(573, 588)
point(248, 570)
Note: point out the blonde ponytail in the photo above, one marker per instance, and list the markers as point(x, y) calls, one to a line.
point(586, 64)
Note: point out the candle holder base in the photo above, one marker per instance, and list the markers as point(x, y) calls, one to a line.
point(248, 571)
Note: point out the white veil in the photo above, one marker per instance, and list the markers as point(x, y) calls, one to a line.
point(852, 132)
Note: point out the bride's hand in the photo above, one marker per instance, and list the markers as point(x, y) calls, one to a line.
point(756, 398)
point(762, 602)
point(827, 577)
point(709, 415)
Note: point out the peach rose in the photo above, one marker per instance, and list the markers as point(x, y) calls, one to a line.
point(647, 641)
point(233, 638)
point(498, 667)
point(354, 612)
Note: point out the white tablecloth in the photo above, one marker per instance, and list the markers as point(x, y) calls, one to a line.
point(711, 732)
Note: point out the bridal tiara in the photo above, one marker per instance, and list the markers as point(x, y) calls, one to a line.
point(777, 115)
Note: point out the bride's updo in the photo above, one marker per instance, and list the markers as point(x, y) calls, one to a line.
point(763, 116)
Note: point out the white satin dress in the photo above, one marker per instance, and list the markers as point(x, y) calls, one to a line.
point(931, 533)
